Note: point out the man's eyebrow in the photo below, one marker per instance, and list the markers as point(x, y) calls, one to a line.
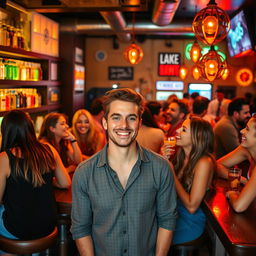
point(115, 114)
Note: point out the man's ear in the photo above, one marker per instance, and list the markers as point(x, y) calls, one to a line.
point(182, 115)
point(104, 123)
point(236, 114)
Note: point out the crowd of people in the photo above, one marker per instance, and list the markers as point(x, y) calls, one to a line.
point(127, 178)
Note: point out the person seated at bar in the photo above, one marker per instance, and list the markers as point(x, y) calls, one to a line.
point(150, 135)
point(90, 139)
point(27, 169)
point(194, 166)
point(54, 131)
point(245, 151)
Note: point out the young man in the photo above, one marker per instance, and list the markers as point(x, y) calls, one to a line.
point(124, 201)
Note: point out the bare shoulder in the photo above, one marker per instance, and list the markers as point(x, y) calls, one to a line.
point(205, 162)
point(4, 164)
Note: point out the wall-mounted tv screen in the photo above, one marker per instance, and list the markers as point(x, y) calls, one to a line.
point(238, 38)
point(203, 90)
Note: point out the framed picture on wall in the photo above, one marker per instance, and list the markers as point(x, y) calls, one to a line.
point(79, 76)
point(120, 73)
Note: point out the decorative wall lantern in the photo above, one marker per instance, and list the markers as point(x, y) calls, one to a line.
point(133, 54)
point(195, 52)
point(183, 72)
point(226, 73)
point(196, 72)
point(211, 24)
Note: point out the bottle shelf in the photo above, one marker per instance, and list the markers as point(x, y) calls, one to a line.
point(20, 53)
point(35, 110)
point(19, 83)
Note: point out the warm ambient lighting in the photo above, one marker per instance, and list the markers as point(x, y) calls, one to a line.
point(183, 72)
point(226, 73)
point(211, 24)
point(212, 65)
point(133, 54)
point(195, 52)
point(196, 72)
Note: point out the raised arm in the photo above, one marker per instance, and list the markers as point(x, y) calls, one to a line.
point(203, 173)
point(62, 177)
point(233, 158)
point(74, 150)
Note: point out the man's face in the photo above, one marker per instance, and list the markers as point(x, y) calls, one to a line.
point(243, 115)
point(220, 96)
point(173, 113)
point(122, 123)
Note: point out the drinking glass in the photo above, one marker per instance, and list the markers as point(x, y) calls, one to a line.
point(234, 176)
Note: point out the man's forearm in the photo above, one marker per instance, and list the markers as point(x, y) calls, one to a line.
point(163, 243)
point(85, 246)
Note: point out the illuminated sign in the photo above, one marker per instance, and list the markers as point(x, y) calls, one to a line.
point(205, 49)
point(170, 85)
point(164, 95)
point(169, 64)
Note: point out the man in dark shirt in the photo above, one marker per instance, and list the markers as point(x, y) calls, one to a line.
point(124, 200)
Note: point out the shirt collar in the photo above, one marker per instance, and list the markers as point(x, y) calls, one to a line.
point(103, 155)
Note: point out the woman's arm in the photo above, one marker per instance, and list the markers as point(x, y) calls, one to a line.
point(62, 177)
point(203, 173)
point(74, 151)
point(240, 202)
point(4, 173)
point(233, 158)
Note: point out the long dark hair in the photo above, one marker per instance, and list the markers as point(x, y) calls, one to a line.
point(19, 135)
point(50, 120)
point(202, 139)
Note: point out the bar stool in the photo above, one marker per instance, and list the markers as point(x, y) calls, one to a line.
point(27, 247)
point(191, 247)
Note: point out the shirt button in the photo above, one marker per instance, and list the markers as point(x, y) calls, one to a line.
point(124, 232)
point(125, 250)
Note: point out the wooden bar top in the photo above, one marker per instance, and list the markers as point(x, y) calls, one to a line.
point(63, 198)
point(236, 231)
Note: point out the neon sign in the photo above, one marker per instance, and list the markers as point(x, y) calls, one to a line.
point(205, 49)
point(168, 64)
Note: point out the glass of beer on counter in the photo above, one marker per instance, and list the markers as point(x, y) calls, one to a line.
point(234, 176)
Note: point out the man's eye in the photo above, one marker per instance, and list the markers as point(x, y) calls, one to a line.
point(132, 118)
point(115, 118)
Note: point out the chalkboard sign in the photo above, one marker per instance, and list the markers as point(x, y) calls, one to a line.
point(120, 73)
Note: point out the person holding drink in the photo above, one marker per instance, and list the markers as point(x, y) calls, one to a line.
point(240, 201)
point(194, 166)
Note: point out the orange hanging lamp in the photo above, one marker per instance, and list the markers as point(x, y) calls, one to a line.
point(195, 52)
point(211, 24)
point(133, 53)
point(226, 72)
point(196, 72)
point(212, 65)
point(183, 72)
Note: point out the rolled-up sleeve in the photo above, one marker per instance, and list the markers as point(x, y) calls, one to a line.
point(166, 200)
point(81, 213)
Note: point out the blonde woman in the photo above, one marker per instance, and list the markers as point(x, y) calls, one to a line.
point(90, 139)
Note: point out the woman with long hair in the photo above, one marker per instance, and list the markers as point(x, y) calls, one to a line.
point(54, 131)
point(240, 201)
point(194, 165)
point(90, 139)
point(27, 170)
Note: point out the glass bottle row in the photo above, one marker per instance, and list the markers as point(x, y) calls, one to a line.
point(19, 98)
point(11, 69)
point(11, 36)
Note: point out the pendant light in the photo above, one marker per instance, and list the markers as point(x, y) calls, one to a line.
point(133, 53)
point(195, 52)
point(212, 65)
point(196, 72)
point(183, 72)
point(226, 72)
point(211, 24)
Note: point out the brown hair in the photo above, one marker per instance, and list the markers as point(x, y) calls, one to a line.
point(46, 134)
point(202, 139)
point(123, 94)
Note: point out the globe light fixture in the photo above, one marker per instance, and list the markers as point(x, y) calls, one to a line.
point(211, 24)
point(195, 52)
point(212, 65)
point(133, 54)
point(183, 72)
point(196, 72)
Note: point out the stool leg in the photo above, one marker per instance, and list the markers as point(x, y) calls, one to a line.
point(63, 245)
